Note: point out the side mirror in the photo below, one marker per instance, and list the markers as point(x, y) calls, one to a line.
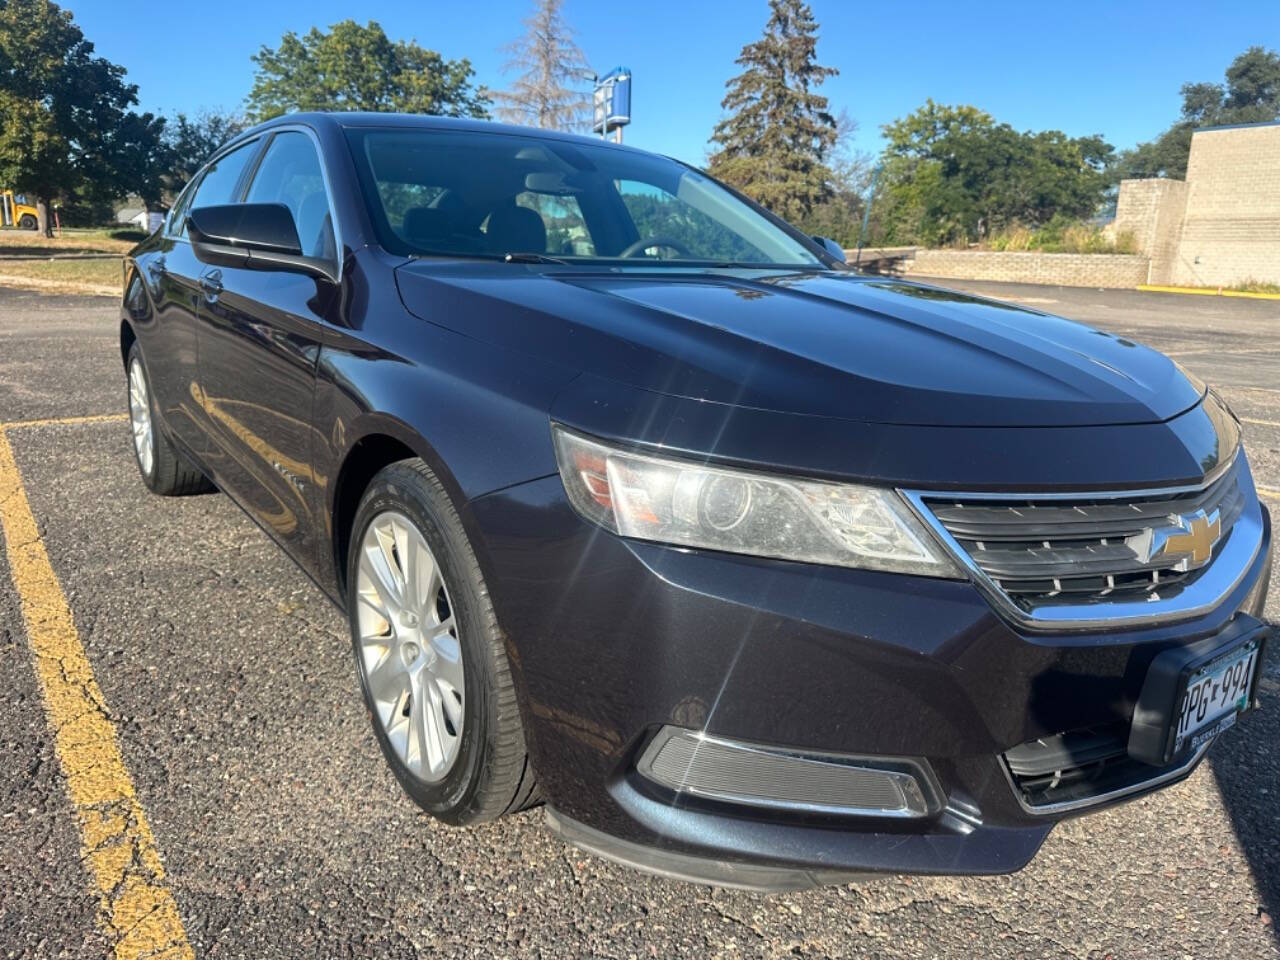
point(253, 236)
point(833, 249)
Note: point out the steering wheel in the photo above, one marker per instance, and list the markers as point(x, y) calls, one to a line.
point(644, 243)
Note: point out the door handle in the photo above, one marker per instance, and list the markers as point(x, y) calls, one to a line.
point(211, 284)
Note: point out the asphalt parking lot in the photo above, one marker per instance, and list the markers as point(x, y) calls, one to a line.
point(232, 691)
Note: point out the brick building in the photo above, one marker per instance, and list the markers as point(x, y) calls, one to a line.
point(1221, 226)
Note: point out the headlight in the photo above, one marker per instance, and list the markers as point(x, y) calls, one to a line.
point(693, 505)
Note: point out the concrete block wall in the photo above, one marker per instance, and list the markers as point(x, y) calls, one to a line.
point(1059, 269)
point(1231, 229)
point(1153, 211)
point(1218, 228)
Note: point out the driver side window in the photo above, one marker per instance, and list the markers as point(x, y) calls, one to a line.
point(216, 186)
point(290, 174)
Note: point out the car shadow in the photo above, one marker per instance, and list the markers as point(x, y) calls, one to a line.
point(1246, 765)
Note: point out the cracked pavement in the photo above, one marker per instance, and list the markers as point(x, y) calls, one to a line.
point(233, 693)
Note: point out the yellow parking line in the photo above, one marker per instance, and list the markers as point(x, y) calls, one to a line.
point(1261, 423)
point(1267, 493)
point(138, 913)
point(65, 421)
point(1209, 292)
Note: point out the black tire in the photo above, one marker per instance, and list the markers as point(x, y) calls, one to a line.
point(28, 222)
point(170, 475)
point(491, 775)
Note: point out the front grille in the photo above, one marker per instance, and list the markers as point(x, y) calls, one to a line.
point(1090, 550)
point(1082, 768)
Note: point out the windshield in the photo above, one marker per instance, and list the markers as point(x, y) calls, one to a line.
point(455, 193)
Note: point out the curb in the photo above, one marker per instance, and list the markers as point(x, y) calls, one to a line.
point(1208, 292)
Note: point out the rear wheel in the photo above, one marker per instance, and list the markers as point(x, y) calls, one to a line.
point(28, 222)
point(163, 469)
point(429, 653)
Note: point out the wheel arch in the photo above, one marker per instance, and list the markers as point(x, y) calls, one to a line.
point(380, 442)
point(135, 306)
point(127, 339)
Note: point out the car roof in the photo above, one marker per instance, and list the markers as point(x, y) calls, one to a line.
point(359, 119)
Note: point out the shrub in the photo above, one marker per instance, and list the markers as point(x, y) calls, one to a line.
point(1257, 286)
point(1061, 235)
point(1013, 239)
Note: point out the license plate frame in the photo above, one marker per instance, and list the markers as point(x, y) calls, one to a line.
point(1154, 736)
point(1195, 718)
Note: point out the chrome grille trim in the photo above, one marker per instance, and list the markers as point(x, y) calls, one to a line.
point(1086, 580)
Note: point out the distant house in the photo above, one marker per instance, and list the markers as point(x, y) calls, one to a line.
point(134, 213)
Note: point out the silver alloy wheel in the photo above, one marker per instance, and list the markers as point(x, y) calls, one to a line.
point(140, 417)
point(408, 641)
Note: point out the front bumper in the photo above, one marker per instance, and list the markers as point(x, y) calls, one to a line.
point(612, 640)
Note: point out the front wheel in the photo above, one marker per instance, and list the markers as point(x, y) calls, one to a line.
point(28, 222)
point(429, 653)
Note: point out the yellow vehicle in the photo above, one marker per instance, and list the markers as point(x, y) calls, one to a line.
point(16, 212)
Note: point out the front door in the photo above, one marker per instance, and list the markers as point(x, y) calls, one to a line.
point(173, 273)
point(260, 334)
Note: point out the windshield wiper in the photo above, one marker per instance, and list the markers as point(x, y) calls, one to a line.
point(531, 258)
point(746, 265)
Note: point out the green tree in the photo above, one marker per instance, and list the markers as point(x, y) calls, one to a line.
point(549, 89)
point(774, 143)
point(63, 112)
point(139, 160)
point(840, 216)
point(354, 67)
point(952, 174)
point(190, 141)
point(1251, 94)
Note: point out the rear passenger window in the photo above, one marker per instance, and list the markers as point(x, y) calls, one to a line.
point(290, 174)
point(220, 179)
point(178, 215)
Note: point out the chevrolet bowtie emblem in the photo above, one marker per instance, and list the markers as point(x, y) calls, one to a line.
point(1187, 544)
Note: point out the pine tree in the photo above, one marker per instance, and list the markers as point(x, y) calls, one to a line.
point(549, 91)
point(775, 140)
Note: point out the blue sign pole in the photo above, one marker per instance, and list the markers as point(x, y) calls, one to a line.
point(611, 103)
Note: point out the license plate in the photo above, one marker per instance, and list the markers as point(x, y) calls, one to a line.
point(1214, 695)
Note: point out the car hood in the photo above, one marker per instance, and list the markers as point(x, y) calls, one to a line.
point(817, 344)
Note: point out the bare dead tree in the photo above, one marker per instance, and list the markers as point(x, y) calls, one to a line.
point(552, 69)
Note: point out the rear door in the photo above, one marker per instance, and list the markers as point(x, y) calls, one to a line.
point(260, 334)
point(173, 274)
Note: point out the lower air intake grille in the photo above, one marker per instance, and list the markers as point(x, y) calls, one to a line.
point(1083, 768)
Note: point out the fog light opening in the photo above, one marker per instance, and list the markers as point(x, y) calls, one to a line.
point(693, 763)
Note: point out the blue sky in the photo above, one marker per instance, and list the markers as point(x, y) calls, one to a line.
point(1082, 67)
